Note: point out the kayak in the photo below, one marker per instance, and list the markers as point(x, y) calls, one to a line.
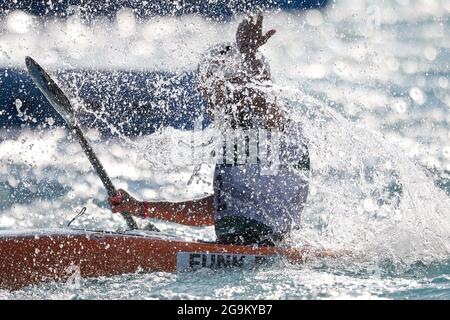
point(36, 256)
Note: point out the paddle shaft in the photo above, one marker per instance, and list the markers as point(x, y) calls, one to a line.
point(59, 101)
point(98, 167)
point(94, 161)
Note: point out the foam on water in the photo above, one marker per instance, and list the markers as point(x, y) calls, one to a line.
point(367, 195)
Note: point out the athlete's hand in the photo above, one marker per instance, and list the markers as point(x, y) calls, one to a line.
point(249, 35)
point(123, 202)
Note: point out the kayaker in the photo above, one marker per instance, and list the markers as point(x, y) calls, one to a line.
point(251, 205)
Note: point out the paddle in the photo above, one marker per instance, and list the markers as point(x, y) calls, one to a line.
point(61, 104)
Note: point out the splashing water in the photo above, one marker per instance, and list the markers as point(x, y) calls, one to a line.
point(373, 100)
point(366, 194)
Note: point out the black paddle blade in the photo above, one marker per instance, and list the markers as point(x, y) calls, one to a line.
point(51, 91)
point(61, 104)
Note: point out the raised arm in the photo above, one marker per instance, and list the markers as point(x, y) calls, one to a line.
point(249, 38)
point(193, 213)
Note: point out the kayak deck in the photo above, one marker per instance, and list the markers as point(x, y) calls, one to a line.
point(35, 256)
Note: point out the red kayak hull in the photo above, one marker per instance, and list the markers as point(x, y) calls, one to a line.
point(38, 256)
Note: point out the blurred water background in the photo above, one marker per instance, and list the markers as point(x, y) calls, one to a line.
point(368, 80)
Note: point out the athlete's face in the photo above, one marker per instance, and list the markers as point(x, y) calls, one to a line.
point(224, 95)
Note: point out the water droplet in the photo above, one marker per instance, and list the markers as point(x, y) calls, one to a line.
point(430, 53)
point(417, 95)
point(314, 18)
